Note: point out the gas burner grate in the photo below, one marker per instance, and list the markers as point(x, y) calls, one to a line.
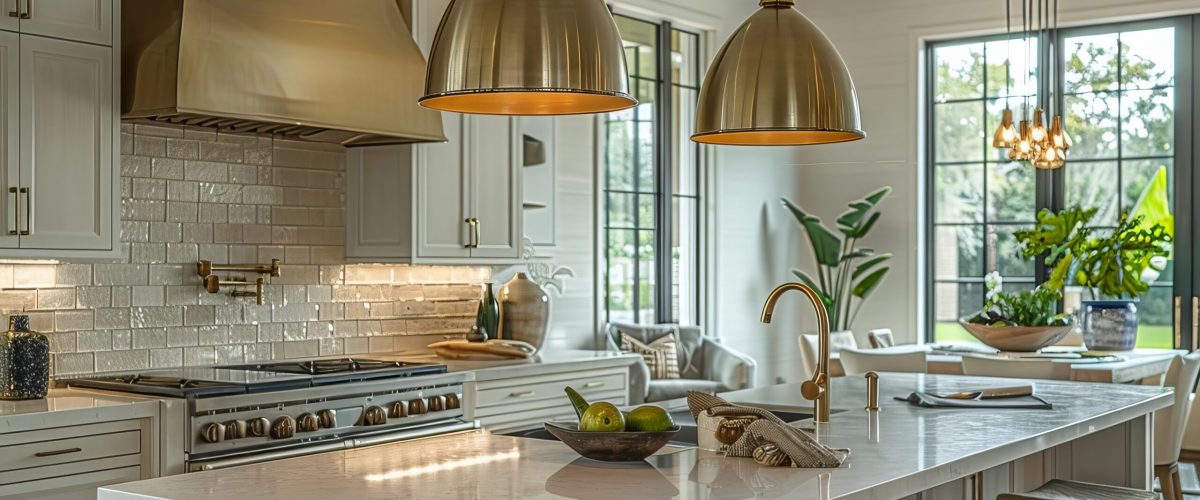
point(330, 366)
point(170, 382)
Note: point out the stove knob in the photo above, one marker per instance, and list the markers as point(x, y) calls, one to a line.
point(399, 409)
point(213, 433)
point(375, 416)
point(327, 419)
point(308, 423)
point(259, 427)
point(235, 429)
point(453, 402)
point(437, 403)
point(417, 407)
point(283, 428)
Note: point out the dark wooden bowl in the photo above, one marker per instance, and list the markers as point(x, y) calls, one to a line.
point(610, 446)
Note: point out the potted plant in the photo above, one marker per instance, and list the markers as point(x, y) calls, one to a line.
point(1118, 264)
point(1018, 321)
point(847, 274)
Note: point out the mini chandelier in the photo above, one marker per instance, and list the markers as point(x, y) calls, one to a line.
point(1045, 148)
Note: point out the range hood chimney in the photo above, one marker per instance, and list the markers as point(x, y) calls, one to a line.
point(345, 71)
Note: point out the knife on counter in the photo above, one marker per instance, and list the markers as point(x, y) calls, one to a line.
point(993, 393)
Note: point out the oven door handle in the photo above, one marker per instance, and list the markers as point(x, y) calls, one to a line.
point(437, 430)
point(256, 458)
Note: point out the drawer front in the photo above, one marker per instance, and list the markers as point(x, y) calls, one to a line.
point(62, 474)
point(58, 451)
point(524, 418)
point(548, 389)
point(73, 487)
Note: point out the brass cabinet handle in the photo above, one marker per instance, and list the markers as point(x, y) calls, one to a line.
point(524, 394)
point(16, 219)
point(1178, 338)
point(57, 452)
point(1195, 322)
point(593, 385)
point(473, 236)
point(28, 10)
point(28, 192)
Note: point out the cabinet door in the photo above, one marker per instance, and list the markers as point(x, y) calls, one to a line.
point(10, 159)
point(379, 203)
point(495, 186)
point(8, 15)
point(66, 145)
point(441, 195)
point(80, 20)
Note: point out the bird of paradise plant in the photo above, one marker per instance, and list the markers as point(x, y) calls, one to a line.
point(847, 275)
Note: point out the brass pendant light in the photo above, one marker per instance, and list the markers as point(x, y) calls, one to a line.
point(777, 81)
point(527, 57)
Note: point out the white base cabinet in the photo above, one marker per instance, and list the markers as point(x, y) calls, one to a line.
point(69, 463)
point(508, 404)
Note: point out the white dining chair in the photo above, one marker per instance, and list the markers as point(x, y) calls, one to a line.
point(883, 360)
point(810, 347)
point(880, 338)
point(1169, 425)
point(990, 366)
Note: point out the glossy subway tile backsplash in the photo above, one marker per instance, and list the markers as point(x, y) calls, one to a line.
point(191, 193)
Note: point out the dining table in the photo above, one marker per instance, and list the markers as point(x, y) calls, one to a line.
point(1117, 367)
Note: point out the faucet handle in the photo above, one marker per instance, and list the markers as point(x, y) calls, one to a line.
point(812, 389)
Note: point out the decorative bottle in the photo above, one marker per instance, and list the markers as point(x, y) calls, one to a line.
point(26, 356)
point(487, 318)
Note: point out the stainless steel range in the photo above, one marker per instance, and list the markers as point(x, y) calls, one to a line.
point(236, 415)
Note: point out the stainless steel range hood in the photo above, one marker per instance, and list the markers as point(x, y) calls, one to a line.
point(345, 71)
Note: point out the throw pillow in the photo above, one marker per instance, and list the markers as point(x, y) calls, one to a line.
point(661, 355)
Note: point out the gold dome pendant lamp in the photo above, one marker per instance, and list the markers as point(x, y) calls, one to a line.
point(777, 81)
point(527, 57)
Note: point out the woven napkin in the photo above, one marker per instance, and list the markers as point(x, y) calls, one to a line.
point(804, 451)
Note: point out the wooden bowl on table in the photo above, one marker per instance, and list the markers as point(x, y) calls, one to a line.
point(610, 446)
point(1018, 338)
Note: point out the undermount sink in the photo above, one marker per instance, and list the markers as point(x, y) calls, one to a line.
point(687, 436)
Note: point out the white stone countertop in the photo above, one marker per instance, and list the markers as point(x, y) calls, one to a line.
point(896, 452)
point(63, 407)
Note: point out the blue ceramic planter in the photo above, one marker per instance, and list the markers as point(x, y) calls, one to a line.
point(1110, 325)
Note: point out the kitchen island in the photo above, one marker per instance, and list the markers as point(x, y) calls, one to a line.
point(1095, 432)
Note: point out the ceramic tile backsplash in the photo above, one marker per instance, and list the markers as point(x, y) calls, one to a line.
point(189, 194)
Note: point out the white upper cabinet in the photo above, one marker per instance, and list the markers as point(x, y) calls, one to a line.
point(66, 196)
point(58, 135)
point(494, 182)
point(88, 21)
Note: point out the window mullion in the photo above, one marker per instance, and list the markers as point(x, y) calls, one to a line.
point(664, 312)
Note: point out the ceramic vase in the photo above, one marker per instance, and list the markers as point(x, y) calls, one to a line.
point(26, 356)
point(524, 311)
point(487, 318)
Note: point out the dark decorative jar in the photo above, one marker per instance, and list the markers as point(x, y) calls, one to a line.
point(1110, 325)
point(487, 317)
point(25, 355)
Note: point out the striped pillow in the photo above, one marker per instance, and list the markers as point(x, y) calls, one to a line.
point(661, 355)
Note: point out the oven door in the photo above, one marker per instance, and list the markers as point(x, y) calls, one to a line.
point(272, 455)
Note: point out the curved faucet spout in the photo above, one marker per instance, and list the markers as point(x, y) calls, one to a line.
point(816, 388)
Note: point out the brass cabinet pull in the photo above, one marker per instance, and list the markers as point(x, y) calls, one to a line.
point(57, 452)
point(473, 235)
point(593, 385)
point(524, 394)
point(28, 192)
point(1195, 322)
point(1178, 338)
point(16, 219)
point(28, 10)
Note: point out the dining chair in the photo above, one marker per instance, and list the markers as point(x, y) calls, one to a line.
point(990, 366)
point(810, 347)
point(877, 360)
point(1169, 425)
point(880, 338)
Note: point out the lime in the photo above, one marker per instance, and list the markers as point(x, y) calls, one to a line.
point(648, 418)
point(602, 417)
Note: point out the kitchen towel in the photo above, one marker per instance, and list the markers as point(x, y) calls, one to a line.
point(926, 400)
point(803, 450)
